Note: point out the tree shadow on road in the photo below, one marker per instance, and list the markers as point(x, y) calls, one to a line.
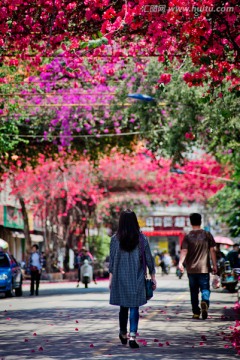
point(76, 332)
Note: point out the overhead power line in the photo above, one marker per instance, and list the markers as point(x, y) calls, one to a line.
point(83, 136)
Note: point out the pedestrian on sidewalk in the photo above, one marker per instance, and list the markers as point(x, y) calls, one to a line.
point(197, 248)
point(83, 255)
point(126, 274)
point(35, 267)
point(233, 258)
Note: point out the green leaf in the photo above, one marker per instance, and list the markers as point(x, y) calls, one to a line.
point(104, 40)
point(83, 45)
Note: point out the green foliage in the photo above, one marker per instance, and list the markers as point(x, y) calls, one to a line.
point(227, 205)
point(93, 44)
point(180, 119)
point(99, 245)
point(183, 118)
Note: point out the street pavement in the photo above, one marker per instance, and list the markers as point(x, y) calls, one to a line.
point(65, 322)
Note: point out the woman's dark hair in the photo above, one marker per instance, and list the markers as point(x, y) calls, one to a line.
point(128, 230)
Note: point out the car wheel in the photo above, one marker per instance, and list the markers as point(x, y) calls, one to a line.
point(18, 291)
point(9, 292)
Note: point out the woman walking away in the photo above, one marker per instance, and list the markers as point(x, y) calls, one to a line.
point(126, 273)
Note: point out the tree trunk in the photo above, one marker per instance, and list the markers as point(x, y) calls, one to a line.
point(26, 225)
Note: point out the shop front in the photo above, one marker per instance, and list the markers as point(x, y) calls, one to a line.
point(166, 233)
point(11, 230)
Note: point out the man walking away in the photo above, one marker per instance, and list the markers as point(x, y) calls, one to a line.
point(197, 247)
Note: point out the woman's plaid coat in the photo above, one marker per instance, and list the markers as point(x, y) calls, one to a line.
point(128, 278)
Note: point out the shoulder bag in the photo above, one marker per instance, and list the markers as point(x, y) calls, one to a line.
point(148, 282)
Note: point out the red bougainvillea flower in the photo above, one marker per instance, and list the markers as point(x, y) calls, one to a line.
point(165, 78)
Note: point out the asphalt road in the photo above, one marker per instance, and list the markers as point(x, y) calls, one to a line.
point(65, 322)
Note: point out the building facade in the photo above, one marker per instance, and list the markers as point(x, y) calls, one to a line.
point(166, 226)
point(12, 225)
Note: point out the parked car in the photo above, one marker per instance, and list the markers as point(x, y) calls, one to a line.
point(10, 275)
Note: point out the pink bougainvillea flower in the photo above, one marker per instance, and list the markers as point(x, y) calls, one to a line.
point(167, 343)
point(40, 348)
point(201, 343)
point(141, 340)
point(91, 345)
point(34, 334)
point(156, 340)
point(76, 321)
point(25, 340)
point(160, 344)
point(76, 329)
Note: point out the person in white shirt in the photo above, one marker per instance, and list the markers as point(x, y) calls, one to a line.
point(35, 264)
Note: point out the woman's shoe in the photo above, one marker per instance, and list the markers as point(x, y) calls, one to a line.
point(123, 339)
point(133, 344)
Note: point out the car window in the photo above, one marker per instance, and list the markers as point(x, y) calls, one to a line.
point(13, 261)
point(4, 262)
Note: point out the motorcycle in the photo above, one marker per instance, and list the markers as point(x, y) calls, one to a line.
point(86, 273)
point(237, 271)
point(229, 277)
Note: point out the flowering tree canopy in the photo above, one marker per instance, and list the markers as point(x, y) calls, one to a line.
point(80, 183)
point(69, 195)
point(84, 108)
point(205, 31)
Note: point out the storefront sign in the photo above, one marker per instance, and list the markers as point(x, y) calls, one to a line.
point(12, 218)
point(167, 222)
point(37, 223)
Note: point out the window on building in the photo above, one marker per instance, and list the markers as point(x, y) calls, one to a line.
point(167, 221)
point(149, 221)
point(179, 221)
point(157, 221)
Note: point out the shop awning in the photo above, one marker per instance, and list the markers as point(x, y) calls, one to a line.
point(18, 234)
point(166, 233)
point(36, 238)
